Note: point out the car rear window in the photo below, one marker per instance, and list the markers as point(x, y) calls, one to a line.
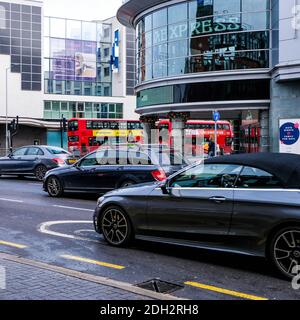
point(169, 158)
point(57, 151)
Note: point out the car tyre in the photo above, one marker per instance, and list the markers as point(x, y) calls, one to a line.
point(284, 251)
point(116, 227)
point(40, 172)
point(54, 187)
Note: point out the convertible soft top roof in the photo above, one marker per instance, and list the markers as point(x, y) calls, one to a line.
point(285, 167)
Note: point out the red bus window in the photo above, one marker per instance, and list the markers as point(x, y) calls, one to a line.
point(73, 125)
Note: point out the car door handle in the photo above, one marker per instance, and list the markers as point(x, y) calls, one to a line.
point(218, 199)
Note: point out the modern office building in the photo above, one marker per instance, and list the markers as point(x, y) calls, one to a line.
point(53, 67)
point(240, 57)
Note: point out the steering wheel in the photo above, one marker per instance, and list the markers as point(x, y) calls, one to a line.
point(226, 181)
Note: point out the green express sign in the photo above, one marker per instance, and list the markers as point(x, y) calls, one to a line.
point(201, 27)
point(196, 28)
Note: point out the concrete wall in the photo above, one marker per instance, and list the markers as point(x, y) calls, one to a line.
point(285, 104)
point(20, 103)
point(26, 136)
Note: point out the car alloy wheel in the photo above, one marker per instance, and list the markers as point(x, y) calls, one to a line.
point(40, 172)
point(54, 187)
point(286, 251)
point(116, 227)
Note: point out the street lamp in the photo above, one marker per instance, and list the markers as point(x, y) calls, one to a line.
point(6, 107)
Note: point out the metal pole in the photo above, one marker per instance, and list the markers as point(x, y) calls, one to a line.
point(6, 111)
point(216, 137)
point(61, 132)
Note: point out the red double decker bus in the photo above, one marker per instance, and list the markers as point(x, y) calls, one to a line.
point(206, 129)
point(87, 135)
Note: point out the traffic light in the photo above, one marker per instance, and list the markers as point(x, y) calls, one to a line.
point(65, 125)
point(13, 126)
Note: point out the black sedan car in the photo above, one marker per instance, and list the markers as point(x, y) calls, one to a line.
point(248, 204)
point(108, 169)
point(34, 161)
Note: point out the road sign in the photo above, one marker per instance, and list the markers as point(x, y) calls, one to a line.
point(217, 116)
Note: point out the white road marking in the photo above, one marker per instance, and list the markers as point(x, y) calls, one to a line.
point(11, 200)
point(45, 228)
point(73, 208)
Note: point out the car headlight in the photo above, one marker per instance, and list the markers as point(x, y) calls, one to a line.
point(100, 200)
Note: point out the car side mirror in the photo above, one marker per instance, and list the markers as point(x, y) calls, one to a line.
point(10, 155)
point(165, 188)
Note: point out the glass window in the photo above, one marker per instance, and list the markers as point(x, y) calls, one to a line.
point(73, 29)
point(54, 150)
point(89, 31)
point(257, 179)
point(177, 13)
point(57, 48)
point(160, 18)
point(160, 69)
point(55, 106)
point(47, 106)
point(90, 160)
point(255, 5)
point(148, 39)
point(208, 176)
point(177, 66)
point(138, 158)
point(57, 28)
point(224, 7)
point(34, 152)
point(160, 53)
point(200, 9)
point(160, 35)
point(255, 21)
point(46, 27)
point(148, 23)
point(177, 49)
point(177, 31)
point(20, 152)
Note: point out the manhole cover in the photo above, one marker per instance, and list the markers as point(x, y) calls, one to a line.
point(160, 286)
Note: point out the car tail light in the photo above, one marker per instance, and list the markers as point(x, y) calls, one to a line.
point(159, 175)
point(58, 161)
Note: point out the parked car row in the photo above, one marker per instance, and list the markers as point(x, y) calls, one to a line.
point(246, 204)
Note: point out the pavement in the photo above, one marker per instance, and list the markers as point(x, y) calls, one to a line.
point(25, 282)
point(39, 234)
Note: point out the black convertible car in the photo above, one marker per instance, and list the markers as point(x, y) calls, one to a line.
point(248, 204)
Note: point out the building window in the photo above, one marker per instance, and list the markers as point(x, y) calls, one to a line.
point(207, 35)
point(54, 110)
point(73, 58)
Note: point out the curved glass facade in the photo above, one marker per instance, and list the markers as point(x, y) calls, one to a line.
point(201, 36)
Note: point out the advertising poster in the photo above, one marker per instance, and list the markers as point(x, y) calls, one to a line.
point(289, 136)
point(77, 62)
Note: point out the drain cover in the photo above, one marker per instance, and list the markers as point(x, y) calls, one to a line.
point(160, 286)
